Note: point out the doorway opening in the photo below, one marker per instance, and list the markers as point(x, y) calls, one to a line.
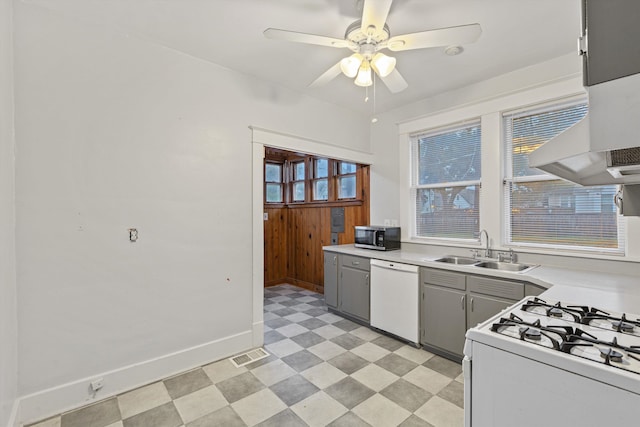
point(301, 192)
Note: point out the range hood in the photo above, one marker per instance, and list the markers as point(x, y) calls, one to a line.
point(604, 147)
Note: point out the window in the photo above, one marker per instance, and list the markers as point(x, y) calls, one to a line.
point(299, 179)
point(273, 183)
point(297, 186)
point(542, 210)
point(346, 180)
point(446, 182)
point(320, 179)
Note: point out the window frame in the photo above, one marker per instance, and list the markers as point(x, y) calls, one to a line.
point(281, 182)
point(509, 179)
point(315, 178)
point(290, 160)
point(415, 187)
point(340, 176)
point(293, 181)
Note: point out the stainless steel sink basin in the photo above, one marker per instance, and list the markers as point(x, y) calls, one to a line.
point(505, 266)
point(450, 259)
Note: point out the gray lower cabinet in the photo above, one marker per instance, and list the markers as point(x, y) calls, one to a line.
point(331, 279)
point(533, 290)
point(454, 302)
point(354, 295)
point(481, 307)
point(346, 284)
point(443, 319)
point(488, 296)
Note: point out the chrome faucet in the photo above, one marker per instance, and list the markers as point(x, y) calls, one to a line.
point(487, 251)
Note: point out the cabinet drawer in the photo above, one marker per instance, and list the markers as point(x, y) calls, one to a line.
point(355, 262)
point(496, 287)
point(443, 278)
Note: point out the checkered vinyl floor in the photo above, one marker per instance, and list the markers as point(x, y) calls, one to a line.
point(322, 370)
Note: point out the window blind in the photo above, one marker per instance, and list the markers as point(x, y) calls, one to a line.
point(542, 210)
point(446, 172)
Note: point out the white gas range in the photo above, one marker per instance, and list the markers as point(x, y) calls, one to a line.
point(554, 364)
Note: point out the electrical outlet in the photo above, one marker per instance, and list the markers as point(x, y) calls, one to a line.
point(97, 384)
point(394, 222)
point(387, 222)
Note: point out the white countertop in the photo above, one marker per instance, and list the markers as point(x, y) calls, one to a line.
point(607, 291)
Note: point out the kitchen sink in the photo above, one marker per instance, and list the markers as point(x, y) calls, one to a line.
point(450, 259)
point(505, 266)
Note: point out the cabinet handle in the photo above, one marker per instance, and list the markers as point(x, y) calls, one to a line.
point(462, 301)
point(366, 280)
point(472, 304)
point(335, 260)
point(355, 262)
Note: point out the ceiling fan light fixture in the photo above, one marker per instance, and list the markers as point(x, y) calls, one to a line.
point(351, 64)
point(364, 75)
point(383, 64)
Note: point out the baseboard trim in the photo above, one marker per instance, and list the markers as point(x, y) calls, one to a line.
point(55, 400)
point(13, 416)
point(258, 334)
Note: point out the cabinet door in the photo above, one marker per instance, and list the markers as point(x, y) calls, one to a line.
point(533, 290)
point(443, 318)
point(612, 46)
point(331, 279)
point(354, 292)
point(483, 307)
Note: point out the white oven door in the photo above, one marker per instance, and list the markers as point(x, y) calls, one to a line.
point(509, 390)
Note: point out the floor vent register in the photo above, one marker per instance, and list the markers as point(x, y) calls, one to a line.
point(248, 357)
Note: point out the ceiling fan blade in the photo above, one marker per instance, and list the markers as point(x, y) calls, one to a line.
point(327, 76)
point(463, 34)
point(395, 82)
point(374, 13)
point(293, 36)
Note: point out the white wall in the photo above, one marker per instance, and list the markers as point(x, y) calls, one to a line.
point(384, 201)
point(115, 132)
point(8, 317)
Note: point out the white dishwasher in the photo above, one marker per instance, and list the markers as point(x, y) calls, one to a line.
point(395, 299)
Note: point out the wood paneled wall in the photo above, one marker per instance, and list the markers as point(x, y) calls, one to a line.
point(276, 236)
point(294, 236)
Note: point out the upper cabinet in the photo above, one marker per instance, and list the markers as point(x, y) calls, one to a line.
point(611, 39)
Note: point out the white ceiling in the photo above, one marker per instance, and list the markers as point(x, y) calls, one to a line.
point(515, 34)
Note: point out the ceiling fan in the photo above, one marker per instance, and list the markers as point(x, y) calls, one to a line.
point(368, 36)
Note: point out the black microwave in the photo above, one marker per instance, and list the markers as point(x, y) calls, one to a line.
point(378, 238)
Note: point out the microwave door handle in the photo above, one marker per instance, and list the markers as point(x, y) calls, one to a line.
point(375, 237)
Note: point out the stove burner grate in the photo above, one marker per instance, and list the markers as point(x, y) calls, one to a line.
point(618, 324)
point(534, 331)
point(585, 315)
point(555, 310)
